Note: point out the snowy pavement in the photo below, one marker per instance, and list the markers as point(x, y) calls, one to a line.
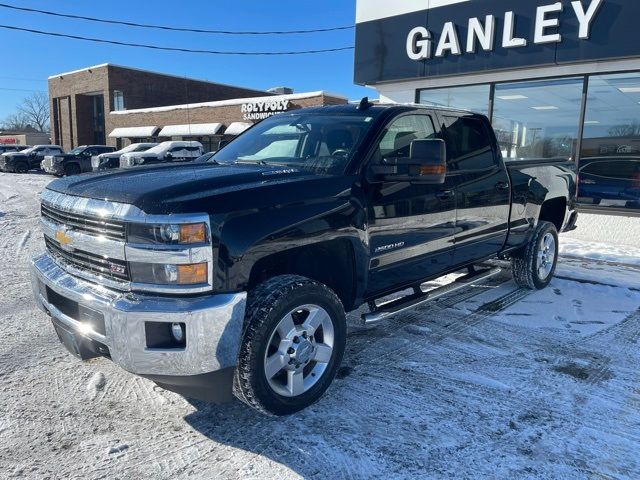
point(492, 382)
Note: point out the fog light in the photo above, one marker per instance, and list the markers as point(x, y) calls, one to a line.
point(177, 332)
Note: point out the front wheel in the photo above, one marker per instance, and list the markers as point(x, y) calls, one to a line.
point(72, 169)
point(293, 344)
point(21, 167)
point(533, 266)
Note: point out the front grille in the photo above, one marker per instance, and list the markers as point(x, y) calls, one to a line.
point(113, 229)
point(95, 264)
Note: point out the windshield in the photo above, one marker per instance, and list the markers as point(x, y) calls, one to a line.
point(318, 143)
point(135, 147)
point(77, 150)
point(28, 150)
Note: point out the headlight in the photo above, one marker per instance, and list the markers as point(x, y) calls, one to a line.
point(158, 274)
point(178, 234)
point(139, 161)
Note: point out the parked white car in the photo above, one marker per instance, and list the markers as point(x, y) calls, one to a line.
point(163, 153)
point(105, 161)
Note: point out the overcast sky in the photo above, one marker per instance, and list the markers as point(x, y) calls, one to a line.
point(28, 59)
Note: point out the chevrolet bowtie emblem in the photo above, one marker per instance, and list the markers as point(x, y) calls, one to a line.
point(62, 238)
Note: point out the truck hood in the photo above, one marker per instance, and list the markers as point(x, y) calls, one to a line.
point(175, 188)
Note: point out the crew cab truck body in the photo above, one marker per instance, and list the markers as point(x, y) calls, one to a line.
point(74, 162)
point(106, 161)
point(235, 275)
point(29, 159)
point(172, 151)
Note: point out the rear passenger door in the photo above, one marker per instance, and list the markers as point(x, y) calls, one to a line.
point(482, 186)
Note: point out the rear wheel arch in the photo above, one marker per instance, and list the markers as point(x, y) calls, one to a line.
point(554, 211)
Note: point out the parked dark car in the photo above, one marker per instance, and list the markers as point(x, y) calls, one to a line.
point(76, 161)
point(12, 148)
point(107, 161)
point(610, 181)
point(234, 276)
point(28, 159)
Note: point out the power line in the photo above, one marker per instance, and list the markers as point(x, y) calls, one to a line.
point(21, 90)
point(174, 29)
point(171, 49)
point(21, 79)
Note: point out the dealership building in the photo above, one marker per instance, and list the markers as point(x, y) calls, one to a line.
point(558, 80)
point(114, 105)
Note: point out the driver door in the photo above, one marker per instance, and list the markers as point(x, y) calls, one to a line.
point(411, 224)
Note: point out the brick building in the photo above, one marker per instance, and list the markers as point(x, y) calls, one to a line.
point(81, 100)
point(207, 122)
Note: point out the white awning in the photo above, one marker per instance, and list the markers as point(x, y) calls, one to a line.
point(236, 128)
point(193, 130)
point(133, 132)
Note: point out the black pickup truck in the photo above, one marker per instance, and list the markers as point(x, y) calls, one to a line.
point(234, 276)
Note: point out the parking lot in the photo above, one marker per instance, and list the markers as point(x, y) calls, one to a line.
point(493, 381)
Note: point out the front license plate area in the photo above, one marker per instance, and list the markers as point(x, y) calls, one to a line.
point(78, 345)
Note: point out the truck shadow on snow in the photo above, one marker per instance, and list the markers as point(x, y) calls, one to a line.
point(430, 391)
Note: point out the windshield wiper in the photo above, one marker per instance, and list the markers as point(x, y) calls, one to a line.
point(254, 162)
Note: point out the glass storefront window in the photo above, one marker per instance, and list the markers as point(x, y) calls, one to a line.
point(610, 154)
point(538, 119)
point(474, 97)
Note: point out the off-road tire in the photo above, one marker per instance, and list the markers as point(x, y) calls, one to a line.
point(266, 305)
point(72, 169)
point(524, 262)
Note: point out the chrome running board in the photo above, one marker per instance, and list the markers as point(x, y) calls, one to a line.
point(400, 305)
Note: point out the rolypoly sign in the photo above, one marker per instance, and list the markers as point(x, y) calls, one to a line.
point(263, 109)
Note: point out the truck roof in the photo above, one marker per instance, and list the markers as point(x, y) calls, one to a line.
point(378, 109)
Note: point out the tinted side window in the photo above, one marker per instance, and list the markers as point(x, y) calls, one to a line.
point(397, 139)
point(618, 169)
point(468, 144)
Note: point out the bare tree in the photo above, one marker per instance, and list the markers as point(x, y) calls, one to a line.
point(35, 109)
point(627, 130)
point(16, 121)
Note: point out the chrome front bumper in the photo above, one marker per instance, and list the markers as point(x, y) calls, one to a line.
point(213, 323)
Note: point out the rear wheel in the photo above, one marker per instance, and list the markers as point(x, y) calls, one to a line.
point(534, 265)
point(72, 169)
point(293, 344)
point(21, 167)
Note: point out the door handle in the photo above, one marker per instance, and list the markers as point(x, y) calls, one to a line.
point(444, 194)
point(501, 186)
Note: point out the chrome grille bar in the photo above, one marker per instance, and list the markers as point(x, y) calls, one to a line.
point(91, 262)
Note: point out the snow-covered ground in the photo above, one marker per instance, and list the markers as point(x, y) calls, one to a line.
point(491, 382)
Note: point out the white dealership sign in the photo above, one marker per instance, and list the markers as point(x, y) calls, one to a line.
point(482, 34)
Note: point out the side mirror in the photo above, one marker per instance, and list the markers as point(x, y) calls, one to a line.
point(168, 155)
point(427, 163)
